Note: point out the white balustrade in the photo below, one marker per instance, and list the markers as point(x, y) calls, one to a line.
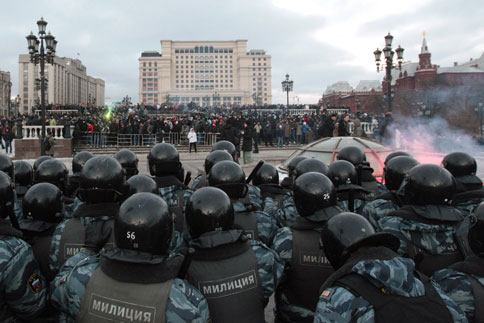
point(35, 132)
point(367, 127)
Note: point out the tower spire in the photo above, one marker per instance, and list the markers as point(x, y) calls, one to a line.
point(425, 48)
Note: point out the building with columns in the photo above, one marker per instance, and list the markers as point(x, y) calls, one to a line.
point(206, 73)
point(5, 92)
point(68, 83)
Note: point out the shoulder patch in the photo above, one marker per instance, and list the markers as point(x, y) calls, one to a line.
point(326, 293)
point(34, 283)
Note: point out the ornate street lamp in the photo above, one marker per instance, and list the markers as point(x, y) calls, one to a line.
point(287, 86)
point(388, 54)
point(42, 50)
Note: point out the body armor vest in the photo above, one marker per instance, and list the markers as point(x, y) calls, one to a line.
point(396, 308)
point(248, 222)
point(228, 278)
point(309, 266)
point(41, 247)
point(426, 262)
point(108, 300)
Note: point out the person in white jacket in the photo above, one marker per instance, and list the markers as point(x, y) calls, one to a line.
point(192, 139)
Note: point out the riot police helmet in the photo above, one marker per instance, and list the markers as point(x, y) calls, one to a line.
point(79, 160)
point(429, 184)
point(141, 183)
point(7, 194)
point(24, 173)
point(227, 146)
point(43, 202)
point(128, 161)
point(164, 160)
point(396, 154)
point(209, 209)
point(313, 192)
point(6, 166)
point(462, 166)
point(344, 233)
point(215, 157)
point(343, 174)
point(311, 165)
point(40, 160)
point(352, 154)
point(267, 174)
point(396, 169)
point(293, 163)
point(102, 180)
point(52, 171)
point(144, 224)
point(229, 177)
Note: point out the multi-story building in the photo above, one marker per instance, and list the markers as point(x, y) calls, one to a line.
point(366, 97)
point(206, 73)
point(68, 83)
point(5, 92)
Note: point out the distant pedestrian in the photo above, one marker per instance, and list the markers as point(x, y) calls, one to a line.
point(192, 139)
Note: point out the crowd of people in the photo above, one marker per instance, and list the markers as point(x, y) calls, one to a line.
point(330, 242)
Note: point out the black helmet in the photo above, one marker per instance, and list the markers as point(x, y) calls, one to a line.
point(396, 169)
point(144, 224)
point(79, 160)
point(140, 184)
point(462, 166)
point(23, 173)
point(6, 166)
point(43, 202)
point(101, 180)
point(227, 146)
point(429, 184)
point(209, 209)
point(163, 159)
point(267, 174)
point(293, 163)
point(228, 176)
point(343, 174)
point(344, 233)
point(128, 161)
point(396, 154)
point(215, 157)
point(352, 154)
point(39, 161)
point(311, 165)
point(313, 192)
point(476, 231)
point(7, 195)
point(52, 171)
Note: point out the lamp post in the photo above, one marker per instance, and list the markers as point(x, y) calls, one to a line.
point(388, 56)
point(39, 56)
point(287, 86)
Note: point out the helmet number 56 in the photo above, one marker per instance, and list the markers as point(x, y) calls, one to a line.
point(130, 235)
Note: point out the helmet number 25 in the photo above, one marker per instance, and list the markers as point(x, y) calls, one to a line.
point(130, 235)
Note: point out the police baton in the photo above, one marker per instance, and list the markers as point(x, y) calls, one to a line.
point(188, 178)
point(254, 171)
point(188, 255)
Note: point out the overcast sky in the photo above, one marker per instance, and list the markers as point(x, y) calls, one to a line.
point(318, 42)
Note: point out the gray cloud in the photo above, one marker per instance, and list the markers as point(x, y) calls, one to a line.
point(315, 48)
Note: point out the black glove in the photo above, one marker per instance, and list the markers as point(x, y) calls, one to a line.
point(96, 235)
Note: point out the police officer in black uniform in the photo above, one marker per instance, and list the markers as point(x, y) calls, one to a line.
point(164, 164)
point(53, 171)
point(128, 161)
point(226, 146)
point(101, 190)
point(470, 192)
point(23, 178)
point(6, 166)
point(289, 180)
point(236, 276)
point(39, 161)
point(211, 159)
point(310, 165)
point(351, 196)
point(267, 180)
point(306, 266)
point(77, 164)
point(426, 225)
point(140, 184)
point(365, 173)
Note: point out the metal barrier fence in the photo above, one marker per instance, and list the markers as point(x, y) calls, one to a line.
point(99, 140)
